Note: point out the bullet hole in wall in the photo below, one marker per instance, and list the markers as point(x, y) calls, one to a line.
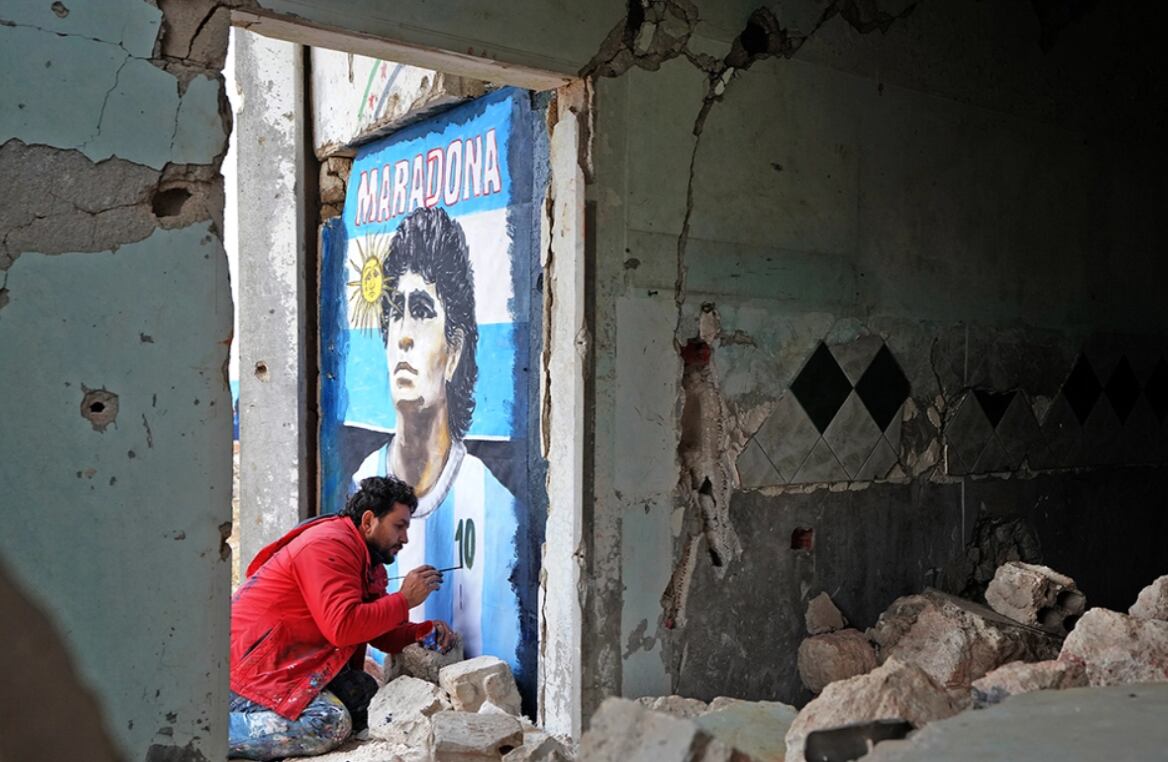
point(261, 370)
point(803, 539)
point(99, 407)
point(169, 203)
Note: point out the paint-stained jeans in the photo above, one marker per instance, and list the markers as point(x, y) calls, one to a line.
point(256, 732)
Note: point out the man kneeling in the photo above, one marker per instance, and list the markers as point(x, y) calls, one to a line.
point(300, 622)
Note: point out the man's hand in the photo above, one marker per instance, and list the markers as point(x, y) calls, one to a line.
point(419, 583)
point(445, 636)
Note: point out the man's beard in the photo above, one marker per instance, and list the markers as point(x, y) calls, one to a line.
point(378, 555)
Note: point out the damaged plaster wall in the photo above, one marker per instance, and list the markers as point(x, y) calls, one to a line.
point(863, 190)
point(115, 321)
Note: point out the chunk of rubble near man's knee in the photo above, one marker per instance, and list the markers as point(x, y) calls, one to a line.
point(623, 730)
point(465, 736)
point(678, 706)
point(1020, 677)
point(832, 656)
point(484, 678)
point(823, 616)
point(954, 640)
point(376, 751)
point(422, 663)
point(894, 691)
point(1118, 649)
point(1153, 601)
point(401, 711)
point(1035, 595)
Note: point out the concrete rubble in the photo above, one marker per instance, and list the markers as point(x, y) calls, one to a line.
point(954, 640)
point(376, 751)
point(1117, 649)
point(894, 691)
point(401, 711)
point(678, 706)
point(424, 664)
point(832, 656)
point(466, 736)
point(1018, 677)
point(624, 730)
point(1153, 601)
point(473, 682)
point(539, 746)
point(753, 729)
point(1035, 595)
point(823, 616)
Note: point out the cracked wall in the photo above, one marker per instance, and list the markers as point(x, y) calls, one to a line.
point(834, 177)
point(115, 316)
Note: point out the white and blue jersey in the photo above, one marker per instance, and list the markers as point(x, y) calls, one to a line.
point(467, 518)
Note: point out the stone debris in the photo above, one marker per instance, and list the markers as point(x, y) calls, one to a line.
point(834, 656)
point(466, 736)
point(956, 641)
point(539, 746)
point(376, 751)
point(1019, 677)
point(483, 678)
point(624, 730)
point(1035, 595)
point(1153, 601)
point(823, 616)
point(753, 729)
point(678, 706)
point(401, 711)
point(1118, 649)
point(425, 664)
point(894, 691)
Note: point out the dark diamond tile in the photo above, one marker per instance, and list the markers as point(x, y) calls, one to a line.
point(1102, 436)
point(993, 459)
point(1156, 390)
point(1082, 389)
point(1123, 389)
point(994, 404)
point(883, 388)
point(1018, 431)
point(821, 387)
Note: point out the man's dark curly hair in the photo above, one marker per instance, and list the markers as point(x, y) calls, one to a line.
point(379, 494)
point(428, 242)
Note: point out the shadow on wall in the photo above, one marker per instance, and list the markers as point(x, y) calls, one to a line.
point(44, 696)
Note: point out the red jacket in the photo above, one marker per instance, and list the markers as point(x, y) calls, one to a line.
point(311, 600)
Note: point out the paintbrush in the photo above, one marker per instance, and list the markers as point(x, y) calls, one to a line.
point(451, 568)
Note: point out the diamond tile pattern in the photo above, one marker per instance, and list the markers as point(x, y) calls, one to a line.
point(883, 388)
point(994, 404)
point(852, 435)
point(821, 387)
point(1082, 388)
point(1123, 389)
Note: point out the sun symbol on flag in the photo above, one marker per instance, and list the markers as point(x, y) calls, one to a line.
point(365, 294)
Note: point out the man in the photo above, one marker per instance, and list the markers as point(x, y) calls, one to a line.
point(466, 517)
point(300, 622)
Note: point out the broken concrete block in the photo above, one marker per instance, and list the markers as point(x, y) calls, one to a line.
point(539, 746)
point(401, 711)
point(1035, 595)
point(1153, 601)
point(465, 736)
point(626, 731)
point(894, 691)
point(425, 664)
point(954, 640)
point(1019, 677)
point(484, 678)
point(355, 750)
point(822, 616)
point(1118, 649)
point(834, 656)
point(753, 729)
point(678, 706)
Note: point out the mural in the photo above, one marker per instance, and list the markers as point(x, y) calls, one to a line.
point(425, 312)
